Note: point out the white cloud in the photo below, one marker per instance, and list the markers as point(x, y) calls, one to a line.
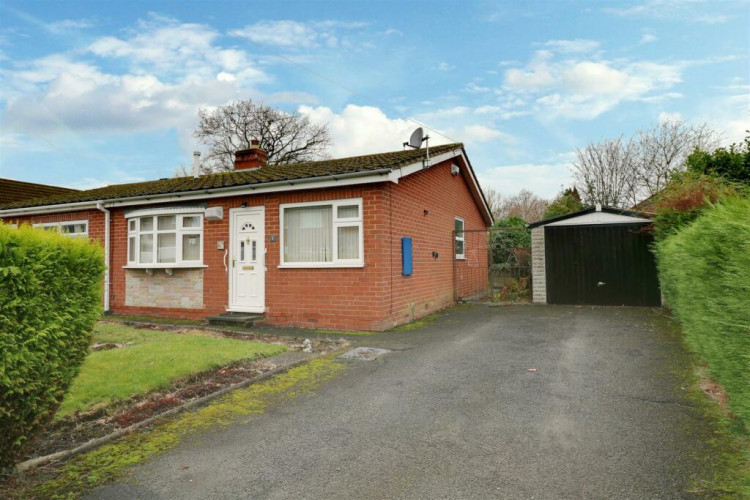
point(473, 134)
point(688, 10)
point(477, 89)
point(173, 69)
point(444, 66)
point(544, 179)
point(290, 34)
point(648, 38)
point(359, 130)
point(667, 117)
point(572, 46)
point(65, 26)
point(585, 88)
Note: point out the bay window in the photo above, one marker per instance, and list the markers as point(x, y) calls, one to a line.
point(322, 234)
point(165, 240)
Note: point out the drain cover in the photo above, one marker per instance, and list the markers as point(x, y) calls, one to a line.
point(364, 353)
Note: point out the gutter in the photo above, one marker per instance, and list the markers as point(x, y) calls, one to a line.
point(100, 207)
point(203, 193)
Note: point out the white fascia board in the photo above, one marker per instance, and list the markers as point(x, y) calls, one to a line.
point(49, 209)
point(435, 160)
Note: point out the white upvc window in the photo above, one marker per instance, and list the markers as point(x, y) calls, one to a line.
point(75, 228)
point(322, 234)
point(165, 240)
point(460, 240)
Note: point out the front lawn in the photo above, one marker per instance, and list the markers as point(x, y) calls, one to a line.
point(150, 360)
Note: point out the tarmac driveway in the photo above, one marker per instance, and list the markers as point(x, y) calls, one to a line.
point(454, 412)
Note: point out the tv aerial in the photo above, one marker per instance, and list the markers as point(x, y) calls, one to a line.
point(416, 140)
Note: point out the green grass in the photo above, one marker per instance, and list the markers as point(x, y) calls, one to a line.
point(112, 460)
point(151, 361)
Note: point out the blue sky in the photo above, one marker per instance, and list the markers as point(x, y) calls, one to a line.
point(93, 93)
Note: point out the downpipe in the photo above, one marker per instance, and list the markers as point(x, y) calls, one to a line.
point(100, 207)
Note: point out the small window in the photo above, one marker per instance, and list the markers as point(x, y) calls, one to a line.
point(459, 238)
point(322, 234)
point(170, 240)
point(77, 228)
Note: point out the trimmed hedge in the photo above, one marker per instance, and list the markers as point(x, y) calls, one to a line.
point(705, 277)
point(50, 299)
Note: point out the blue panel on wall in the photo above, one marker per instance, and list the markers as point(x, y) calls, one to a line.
point(406, 257)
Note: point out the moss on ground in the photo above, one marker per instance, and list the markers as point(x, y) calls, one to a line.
point(417, 324)
point(125, 318)
point(110, 461)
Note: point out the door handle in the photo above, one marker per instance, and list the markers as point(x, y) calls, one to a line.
point(601, 283)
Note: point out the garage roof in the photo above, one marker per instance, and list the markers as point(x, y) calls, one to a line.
point(566, 219)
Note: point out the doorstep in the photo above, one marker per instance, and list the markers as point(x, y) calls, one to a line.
point(245, 320)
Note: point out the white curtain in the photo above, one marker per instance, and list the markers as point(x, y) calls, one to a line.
point(307, 234)
point(348, 237)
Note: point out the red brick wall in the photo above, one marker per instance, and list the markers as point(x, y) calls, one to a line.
point(95, 218)
point(373, 297)
point(431, 286)
point(343, 298)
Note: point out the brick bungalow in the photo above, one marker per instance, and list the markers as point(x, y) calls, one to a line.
point(323, 244)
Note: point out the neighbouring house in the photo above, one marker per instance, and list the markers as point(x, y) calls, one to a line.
point(12, 191)
point(595, 256)
point(360, 243)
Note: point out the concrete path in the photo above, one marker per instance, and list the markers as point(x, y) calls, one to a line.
point(454, 412)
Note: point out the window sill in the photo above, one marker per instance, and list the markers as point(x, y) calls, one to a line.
point(166, 266)
point(460, 258)
point(321, 265)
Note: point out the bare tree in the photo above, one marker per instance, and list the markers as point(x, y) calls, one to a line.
point(621, 173)
point(287, 138)
point(525, 205)
point(493, 198)
point(604, 173)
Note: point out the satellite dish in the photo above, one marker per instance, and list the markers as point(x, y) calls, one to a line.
point(416, 138)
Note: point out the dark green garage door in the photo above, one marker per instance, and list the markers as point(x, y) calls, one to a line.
point(600, 265)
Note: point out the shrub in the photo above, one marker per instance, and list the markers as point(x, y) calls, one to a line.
point(685, 197)
point(515, 290)
point(732, 164)
point(705, 277)
point(49, 301)
point(567, 201)
point(508, 240)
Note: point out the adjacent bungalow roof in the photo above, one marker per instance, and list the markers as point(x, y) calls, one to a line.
point(271, 175)
point(16, 191)
point(590, 210)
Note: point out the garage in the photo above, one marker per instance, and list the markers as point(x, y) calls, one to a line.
point(596, 256)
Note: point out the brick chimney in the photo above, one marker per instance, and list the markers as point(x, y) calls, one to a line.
point(250, 159)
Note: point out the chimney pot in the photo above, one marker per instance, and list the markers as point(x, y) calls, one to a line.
point(250, 159)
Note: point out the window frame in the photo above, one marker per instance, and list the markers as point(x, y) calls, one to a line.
point(134, 234)
point(336, 223)
point(59, 224)
point(461, 238)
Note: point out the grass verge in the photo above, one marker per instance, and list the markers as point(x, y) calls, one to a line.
point(723, 460)
point(151, 359)
point(110, 461)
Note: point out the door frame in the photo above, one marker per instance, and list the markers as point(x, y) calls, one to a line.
point(233, 213)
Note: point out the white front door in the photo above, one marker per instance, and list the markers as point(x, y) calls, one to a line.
point(247, 272)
